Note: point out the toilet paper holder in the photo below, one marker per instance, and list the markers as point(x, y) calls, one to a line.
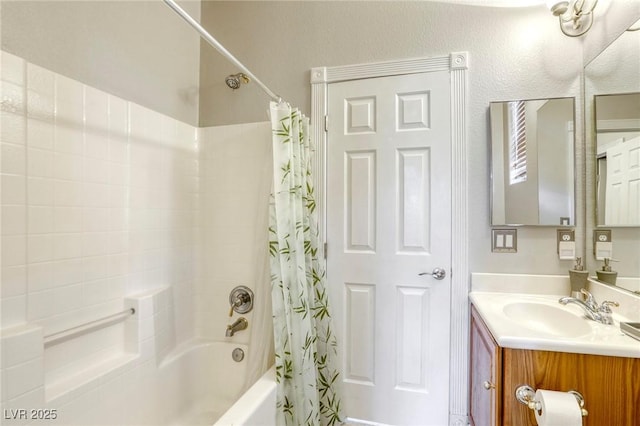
point(525, 394)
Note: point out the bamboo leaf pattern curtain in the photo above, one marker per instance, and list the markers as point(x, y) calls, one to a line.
point(305, 346)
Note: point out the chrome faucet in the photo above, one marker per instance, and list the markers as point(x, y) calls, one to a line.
point(240, 324)
point(601, 314)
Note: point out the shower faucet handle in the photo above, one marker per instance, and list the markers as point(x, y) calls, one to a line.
point(240, 300)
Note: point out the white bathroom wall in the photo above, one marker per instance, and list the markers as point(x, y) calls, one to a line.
point(139, 50)
point(235, 176)
point(99, 201)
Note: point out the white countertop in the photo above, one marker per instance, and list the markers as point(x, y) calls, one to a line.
point(594, 338)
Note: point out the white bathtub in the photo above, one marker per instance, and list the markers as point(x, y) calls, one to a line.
point(200, 384)
point(256, 407)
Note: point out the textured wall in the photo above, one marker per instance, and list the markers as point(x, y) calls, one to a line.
point(137, 50)
point(514, 53)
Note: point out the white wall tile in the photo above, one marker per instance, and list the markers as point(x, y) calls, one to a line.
point(13, 128)
point(40, 80)
point(13, 281)
point(95, 268)
point(95, 243)
point(13, 159)
point(39, 248)
point(95, 194)
point(40, 305)
point(67, 246)
point(67, 298)
point(13, 189)
point(95, 219)
point(40, 134)
point(14, 311)
point(69, 271)
point(68, 193)
point(118, 150)
point(68, 138)
point(96, 110)
point(13, 68)
point(69, 91)
point(14, 250)
point(40, 106)
point(96, 170)
point(67, 166)
point(14, 220)
point(39, 162)
point(40, 219)
point(94, 292)
point(24, 377)
point(118, 118)
point(40, 276)
point(67, 219)
point(40, 191)
point(22, 345)
point(13, 97)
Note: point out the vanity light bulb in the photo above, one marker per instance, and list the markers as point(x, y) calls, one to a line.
point(557, 7)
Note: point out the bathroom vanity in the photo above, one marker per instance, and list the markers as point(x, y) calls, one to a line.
point(521, 339)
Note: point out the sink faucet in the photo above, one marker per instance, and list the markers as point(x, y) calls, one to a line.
point(601, 314)
point(240, 324)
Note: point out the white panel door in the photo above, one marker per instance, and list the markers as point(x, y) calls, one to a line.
point(388, 222)
point(623, 184)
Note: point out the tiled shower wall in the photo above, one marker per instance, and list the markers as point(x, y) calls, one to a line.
point(235, 183)
point(99, 200)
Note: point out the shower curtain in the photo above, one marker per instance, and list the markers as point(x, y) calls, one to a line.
point(305, 346)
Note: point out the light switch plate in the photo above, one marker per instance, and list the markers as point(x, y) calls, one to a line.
point(504, 240)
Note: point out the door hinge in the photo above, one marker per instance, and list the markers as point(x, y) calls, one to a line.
point(325, 250)
point(326, 123)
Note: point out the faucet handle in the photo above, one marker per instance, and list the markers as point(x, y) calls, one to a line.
point(606, 306)
point(589, 299)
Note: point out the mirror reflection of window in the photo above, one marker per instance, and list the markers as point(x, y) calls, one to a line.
point(532, 158)
point(517, 143)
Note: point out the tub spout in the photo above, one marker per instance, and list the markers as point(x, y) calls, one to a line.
point(240, 324)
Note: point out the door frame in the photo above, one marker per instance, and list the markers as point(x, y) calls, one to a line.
point(457, 65)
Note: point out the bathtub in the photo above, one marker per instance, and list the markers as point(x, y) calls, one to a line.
point(199, 383)
point(256, 407)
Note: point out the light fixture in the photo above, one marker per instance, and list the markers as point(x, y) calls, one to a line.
point(575, 16)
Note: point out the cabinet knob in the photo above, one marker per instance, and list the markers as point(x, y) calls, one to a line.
point(488, 385)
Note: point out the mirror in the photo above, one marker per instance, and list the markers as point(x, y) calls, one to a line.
point(612, 128)
point(617, 126)
point(532, 162)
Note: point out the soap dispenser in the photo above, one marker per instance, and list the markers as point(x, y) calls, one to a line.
point(606, 275)
point(578, 278)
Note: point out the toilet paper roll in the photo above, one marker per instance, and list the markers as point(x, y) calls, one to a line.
point(557, 409)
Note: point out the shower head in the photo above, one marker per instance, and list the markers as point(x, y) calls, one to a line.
point(234, 80)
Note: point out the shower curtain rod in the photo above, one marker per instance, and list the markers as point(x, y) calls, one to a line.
point(220, 48)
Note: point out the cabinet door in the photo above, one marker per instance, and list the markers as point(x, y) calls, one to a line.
point(486, 375)
point(610, 385)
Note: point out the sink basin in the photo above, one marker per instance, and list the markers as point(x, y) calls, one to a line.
point(547, 319)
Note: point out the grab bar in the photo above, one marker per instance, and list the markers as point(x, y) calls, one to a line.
point(61, 336)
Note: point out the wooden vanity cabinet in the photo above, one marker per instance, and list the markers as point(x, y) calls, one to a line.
point(610, 385)
point(486, 375)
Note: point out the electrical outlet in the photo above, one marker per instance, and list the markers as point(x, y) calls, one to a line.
point(602, 235)
point(565, 236)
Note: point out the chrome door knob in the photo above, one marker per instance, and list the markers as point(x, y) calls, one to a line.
point(437, 273)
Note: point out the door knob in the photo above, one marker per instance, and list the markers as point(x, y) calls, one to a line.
point(437, 273)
